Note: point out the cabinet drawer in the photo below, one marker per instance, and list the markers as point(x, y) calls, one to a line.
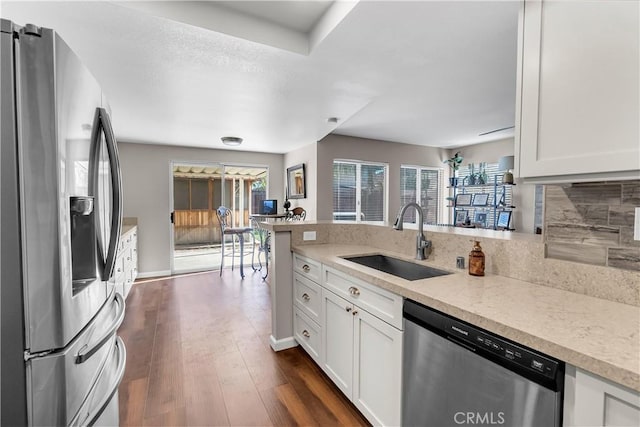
point(381, 303)
point(308, 334)
point(307, 296)
point(307, 267)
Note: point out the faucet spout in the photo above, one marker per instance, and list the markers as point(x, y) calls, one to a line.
point(421, 242)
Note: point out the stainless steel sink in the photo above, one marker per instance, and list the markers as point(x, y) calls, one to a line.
point(397, 267)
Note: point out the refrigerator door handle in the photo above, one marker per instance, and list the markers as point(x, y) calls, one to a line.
point(103, 122)
point(84, 354)
point(94, 416)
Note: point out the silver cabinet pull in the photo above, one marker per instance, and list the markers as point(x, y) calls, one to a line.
point(306, 268)
point(306, 297)
point(354, 291)
point(348, 309)
point(354, 312)
point(306, 334)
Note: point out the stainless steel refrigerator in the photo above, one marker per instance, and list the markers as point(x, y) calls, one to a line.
point(61, 215)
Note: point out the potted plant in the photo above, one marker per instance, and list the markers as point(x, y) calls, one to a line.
point(454, 164)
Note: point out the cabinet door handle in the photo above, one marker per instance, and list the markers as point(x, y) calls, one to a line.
point(354, 312)
point(306, 334)
point(348, 309)
point(306, 268)
point(306, 297)
point(354, 291)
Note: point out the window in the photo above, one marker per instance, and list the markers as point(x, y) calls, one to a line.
point(422, 185)
point(359, 191)
point(492, 176)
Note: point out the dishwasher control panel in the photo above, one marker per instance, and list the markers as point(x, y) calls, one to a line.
point(502, 348)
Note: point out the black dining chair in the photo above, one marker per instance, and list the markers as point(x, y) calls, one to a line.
point(225, 219)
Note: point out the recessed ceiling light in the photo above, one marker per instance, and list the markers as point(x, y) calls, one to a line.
point(332, 120)
point(231, 140)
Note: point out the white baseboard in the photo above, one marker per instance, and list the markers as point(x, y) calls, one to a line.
point(147, 274)
point(282, 344)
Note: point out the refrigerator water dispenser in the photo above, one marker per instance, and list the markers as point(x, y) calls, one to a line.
point(83, 240)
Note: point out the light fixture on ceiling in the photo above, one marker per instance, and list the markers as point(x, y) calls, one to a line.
point(233, 141)
point(332, 120)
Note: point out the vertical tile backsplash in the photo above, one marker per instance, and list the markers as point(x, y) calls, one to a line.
point(592, 223)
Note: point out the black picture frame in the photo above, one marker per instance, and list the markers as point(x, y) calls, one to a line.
point(463, 199)
point(461, 217)
point(480, 219)
point(504, 219)
point(296, 182)
point(480, 199)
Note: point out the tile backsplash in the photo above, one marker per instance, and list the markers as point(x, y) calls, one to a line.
point(592, 223)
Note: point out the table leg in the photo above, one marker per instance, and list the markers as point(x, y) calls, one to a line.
point(241, 236)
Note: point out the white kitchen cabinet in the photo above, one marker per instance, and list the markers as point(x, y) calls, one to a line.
point(126, 266)
point(307, 267)
point(363, 357)
point(578, 92)
point(354, 334)
point(308, 334)
point(307, 301)
point(594, 401)
point(338, 334)
point(377, 301)
point(377, 369)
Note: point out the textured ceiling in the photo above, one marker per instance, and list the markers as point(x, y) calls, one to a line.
point(420, 72)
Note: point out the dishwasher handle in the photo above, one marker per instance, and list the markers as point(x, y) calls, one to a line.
point(461, 343)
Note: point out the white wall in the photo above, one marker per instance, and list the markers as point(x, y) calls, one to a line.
point(523, 194)
point(309, 156)
point(146, 180)
point(394, 154)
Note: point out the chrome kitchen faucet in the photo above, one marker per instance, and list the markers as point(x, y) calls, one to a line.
point(421, 242)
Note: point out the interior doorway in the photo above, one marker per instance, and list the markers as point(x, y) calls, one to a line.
point(197, 190)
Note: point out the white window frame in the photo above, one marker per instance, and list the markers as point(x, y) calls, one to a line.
point(385, 202)
point(442, 207)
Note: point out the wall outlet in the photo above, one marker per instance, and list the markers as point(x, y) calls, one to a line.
point(309, 235)
point(636, 227)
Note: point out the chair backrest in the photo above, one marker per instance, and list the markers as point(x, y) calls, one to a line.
point(225, 218)
point(297, 214)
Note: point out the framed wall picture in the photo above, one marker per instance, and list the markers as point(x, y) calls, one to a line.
point(296, 185)
point(461, 217)
point(480, 199)
point(504, 218)
point(463, 200)
point(480, 219)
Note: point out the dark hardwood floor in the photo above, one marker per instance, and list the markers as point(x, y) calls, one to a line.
point(198, 354)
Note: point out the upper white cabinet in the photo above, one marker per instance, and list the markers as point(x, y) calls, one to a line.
point(577, 112)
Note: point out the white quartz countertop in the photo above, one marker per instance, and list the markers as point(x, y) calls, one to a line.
point(594, 334)
point(127, 228)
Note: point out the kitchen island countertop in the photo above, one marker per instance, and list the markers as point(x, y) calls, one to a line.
point(594, 334)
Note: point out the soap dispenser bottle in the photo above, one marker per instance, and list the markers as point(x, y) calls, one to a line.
point(476, 260)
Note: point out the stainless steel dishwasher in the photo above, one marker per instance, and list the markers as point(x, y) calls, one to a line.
point(457, 374)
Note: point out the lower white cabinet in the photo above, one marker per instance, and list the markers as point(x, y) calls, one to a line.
point(125, 270)
point(363, 357)
point(352, 330)
point(307, 334)
point(377, 369)
point(594, 401)
point(338, 334)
